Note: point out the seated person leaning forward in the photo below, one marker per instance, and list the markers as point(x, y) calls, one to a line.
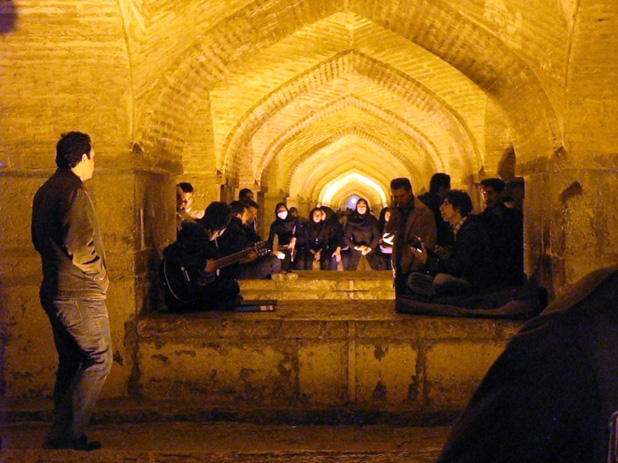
point(241, 235)
point(189, 267)
point(410, 220)
point(283, 229)
point(361, 236)
point(315, 247)
point(468, 266)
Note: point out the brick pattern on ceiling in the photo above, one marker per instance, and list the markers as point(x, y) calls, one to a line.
point(477, 53)
point(428, 106)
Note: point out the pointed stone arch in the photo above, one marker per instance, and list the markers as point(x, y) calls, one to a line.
point(432, 24)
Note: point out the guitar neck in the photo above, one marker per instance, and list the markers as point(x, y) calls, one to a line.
point(232, 258)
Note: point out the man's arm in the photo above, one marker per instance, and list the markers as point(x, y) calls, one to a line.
point(80, 229)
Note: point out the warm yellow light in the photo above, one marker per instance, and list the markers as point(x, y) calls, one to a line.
point(340, 183)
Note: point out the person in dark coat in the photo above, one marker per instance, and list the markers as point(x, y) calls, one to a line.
point(284, 229)
point(196, 251)
point(439, 186)
point(549, 396)
point(362, 236)
point(241, 235)
point(469, 266)
point(384, 252)
point(335, 237)
point(504, 226)
point(315, 246)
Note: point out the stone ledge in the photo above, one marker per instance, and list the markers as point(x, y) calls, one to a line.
point(318, 355)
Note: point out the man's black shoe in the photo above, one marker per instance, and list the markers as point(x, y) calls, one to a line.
point(81, 444)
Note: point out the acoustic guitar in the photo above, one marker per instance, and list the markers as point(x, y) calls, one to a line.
point(184, 284)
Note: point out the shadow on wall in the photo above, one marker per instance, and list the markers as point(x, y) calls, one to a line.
point(8, 16)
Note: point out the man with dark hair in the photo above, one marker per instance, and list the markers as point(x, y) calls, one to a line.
point(504, 227)
point(65, 231)
point(410, 221)
point(246, 195)
point(469, 267)
point(438, 187)
point(184, 205)
point(241, 236)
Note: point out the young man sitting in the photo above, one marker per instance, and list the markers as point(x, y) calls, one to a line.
point(468, 267)
point(189, 269)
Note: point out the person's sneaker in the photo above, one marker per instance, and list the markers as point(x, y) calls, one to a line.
point(81, 444)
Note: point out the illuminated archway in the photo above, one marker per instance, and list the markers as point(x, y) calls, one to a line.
point(348, 181)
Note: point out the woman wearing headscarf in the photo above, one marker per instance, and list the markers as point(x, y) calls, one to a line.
point(315, 249)
point(384, 253)
point(283, 230)
point(361, 235)
point(335, 237)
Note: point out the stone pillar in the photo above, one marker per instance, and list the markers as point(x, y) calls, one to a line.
point(137, 218)
point(571, 227)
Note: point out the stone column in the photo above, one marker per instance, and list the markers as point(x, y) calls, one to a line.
point(571, 227)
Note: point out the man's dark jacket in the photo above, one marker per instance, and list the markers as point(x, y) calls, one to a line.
point(549, 396)
point(504, 227)
point(65, 231)
point(445, 232)
point(471, 258)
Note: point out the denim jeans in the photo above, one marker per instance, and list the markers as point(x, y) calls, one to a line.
point(82, 337)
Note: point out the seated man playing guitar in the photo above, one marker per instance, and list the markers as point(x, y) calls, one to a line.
point(190, 267)
point(240, 235)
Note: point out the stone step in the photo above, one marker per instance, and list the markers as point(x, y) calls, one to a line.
point(302, 285)
point(320, 356)
point(180, 442)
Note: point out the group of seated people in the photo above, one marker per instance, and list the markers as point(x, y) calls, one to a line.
point(434, 242)
point(442, 248)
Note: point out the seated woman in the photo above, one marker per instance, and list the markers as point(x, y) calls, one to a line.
point(384, 252)
point(335, 237)
point(362, 236)
point(315, 251)
point(468, 267)
point(284, 230)
point(189, 269)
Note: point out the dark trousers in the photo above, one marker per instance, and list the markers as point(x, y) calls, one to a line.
point(82, 337)
point(352, 257)
point(307, 259)
point(260, 268)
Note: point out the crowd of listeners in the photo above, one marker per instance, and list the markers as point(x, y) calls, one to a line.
point(434, 242)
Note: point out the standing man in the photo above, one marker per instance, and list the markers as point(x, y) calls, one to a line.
point(66, 233)
point(439, 186)
point(410, 221)
point(505, 230)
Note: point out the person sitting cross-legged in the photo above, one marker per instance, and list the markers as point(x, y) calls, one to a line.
point(468, 267)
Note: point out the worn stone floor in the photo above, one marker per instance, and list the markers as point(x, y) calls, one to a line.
point(184, 442)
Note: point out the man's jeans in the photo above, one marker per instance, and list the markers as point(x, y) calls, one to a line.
point(82, 338)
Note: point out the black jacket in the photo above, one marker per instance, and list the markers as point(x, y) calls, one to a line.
point(65, 231)
point(471, 258)
point(285, 230)
point(445, 232)
point(316, 236)
point(504, 227)
point(362, 230)
point(549, 396)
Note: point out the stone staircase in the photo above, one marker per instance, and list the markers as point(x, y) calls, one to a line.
point(334, 350)
point(303, 285)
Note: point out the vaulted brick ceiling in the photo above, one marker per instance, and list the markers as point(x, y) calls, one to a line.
point(295, 93)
